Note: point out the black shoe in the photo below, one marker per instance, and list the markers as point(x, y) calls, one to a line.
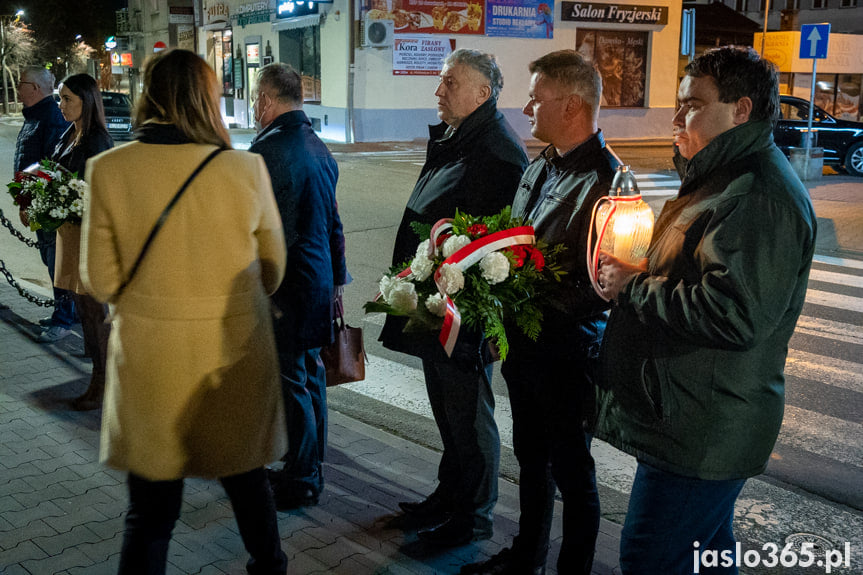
point(503, 563)
point(433, 506)
point(292, 498)
point(454, 532)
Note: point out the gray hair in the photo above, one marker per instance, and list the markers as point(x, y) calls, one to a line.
point(284, 81)
point(573, 72)
point(483, 63)
point(42, 77)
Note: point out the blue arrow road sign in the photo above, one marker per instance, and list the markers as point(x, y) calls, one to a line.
point(813, 40)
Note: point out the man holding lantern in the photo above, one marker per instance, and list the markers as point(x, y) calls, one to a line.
point(695, 347)
point(549, 380)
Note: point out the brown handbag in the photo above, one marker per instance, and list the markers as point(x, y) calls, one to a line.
point(344, 358)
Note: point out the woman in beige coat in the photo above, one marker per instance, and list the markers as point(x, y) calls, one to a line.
point(192, 382)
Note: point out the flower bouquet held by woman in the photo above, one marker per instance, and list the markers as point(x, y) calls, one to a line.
point(49, 194)
point(479, 271)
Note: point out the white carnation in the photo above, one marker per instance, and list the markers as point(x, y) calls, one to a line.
point(387, 285)
point(403, 296)
point(495, 267)
point(451, 278)
point(454, 244)
point(422, 266)
point(436, 304)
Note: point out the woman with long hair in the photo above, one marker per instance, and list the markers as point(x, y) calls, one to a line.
point(193, 384)
point(87, 136)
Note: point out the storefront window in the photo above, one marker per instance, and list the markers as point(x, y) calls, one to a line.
point(301, 48)
point(220, 54)
point(621, 58)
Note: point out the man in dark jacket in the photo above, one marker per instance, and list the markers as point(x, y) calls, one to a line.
point(549, 381)
point(474, 162)
point(695, 348)
point(43, 126)
point(304, 176)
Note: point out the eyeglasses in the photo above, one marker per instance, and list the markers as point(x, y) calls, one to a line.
point(533, 102)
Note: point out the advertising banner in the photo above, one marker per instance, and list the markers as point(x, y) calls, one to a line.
point(430, 16)
point(520, 18)
point(420, 55)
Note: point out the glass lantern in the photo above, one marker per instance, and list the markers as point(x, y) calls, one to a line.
point(622, 222)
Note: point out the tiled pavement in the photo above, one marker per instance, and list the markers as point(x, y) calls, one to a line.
point(62, 512)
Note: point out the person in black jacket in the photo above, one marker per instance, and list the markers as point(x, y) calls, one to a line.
point(549, 380)
point(43, 126)
point(304, 176)
point(87, 136)
point(474, 162)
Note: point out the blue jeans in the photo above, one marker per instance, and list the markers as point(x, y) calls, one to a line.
point(304, 389)
point(667, 514)
point(463, 406)
point(64, 305)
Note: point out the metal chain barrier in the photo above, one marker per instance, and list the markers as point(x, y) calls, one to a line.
point(21, 291)
point(11, 227)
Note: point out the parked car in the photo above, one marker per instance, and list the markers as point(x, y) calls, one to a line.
point(118, 114)
point(841, 140)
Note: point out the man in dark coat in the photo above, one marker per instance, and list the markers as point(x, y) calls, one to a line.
point(304, 176)
point(550, 380)
point(696, 344)
point(43, 126)
point(474, 162)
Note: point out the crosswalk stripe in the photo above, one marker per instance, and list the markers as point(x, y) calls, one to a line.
point(805, 429)
point(843, 262)
point(824, 369)
point(834, 300)
point(836, 278)
point(840, 331)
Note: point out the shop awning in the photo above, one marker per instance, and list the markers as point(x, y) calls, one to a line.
point(298, 22)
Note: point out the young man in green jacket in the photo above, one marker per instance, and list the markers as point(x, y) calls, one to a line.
point(695, 348)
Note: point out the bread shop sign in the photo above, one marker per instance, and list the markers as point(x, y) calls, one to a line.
point(614, 13)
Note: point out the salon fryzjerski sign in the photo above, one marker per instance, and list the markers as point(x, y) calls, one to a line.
point(614, 13)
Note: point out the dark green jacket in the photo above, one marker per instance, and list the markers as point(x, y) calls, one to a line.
point(694, 352)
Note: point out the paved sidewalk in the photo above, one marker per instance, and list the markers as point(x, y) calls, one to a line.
point(62, 512)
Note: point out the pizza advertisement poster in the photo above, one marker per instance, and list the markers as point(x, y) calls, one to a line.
point(430, 16)
point(520, 18)
point(420, 55)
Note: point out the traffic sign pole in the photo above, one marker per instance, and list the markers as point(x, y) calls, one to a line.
point(811, 113)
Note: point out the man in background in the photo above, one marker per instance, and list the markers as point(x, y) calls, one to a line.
point(304, 176)
point(695, 348)
point(43, 126)
point(473, 163)
point(550, 380)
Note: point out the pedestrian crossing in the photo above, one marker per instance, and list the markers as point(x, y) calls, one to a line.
point(822, 431)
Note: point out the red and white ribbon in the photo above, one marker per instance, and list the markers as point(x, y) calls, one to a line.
point(464, 259)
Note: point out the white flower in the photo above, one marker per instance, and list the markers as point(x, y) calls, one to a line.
point(63, 190)
point(56, 213)
point(454, 244)
point(421, 266)
point(386, 286)
point(403, 296)
point(495, 267)
point(451, 278)
point(77, 207)
point(436, 304)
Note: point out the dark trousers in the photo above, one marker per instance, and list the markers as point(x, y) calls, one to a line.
point(304, 390)
point(96, 333)
point(667, 514)
point(548, 398)
point(463, 406)
point(154, 507)
point(64, 305)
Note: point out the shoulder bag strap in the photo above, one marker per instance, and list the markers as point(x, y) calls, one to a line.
point(161, 221)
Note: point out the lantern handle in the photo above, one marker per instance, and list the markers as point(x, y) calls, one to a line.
point(593, 261)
